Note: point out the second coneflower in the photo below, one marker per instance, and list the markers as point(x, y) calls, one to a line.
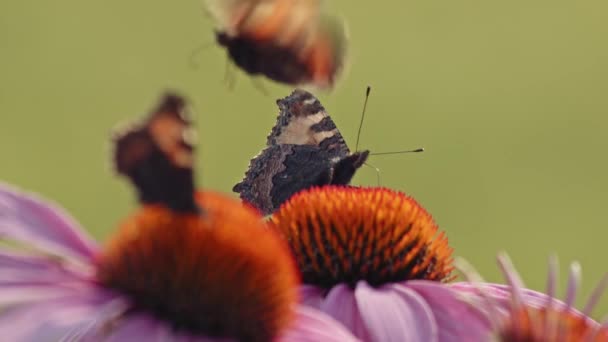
point(522, 315)
point(374, 259)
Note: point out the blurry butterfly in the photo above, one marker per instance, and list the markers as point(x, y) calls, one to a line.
point(304, 149)
point(288, 41)
point(157, 155)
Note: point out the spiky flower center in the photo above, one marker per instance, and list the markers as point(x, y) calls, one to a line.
point(221, 273)
point(346, 234)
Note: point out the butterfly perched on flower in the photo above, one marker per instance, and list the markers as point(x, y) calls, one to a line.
point(157, 155)
point(288, 41)
point(304, 149)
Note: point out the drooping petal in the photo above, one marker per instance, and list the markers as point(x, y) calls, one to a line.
point(67, 318)
point(501, 294)
point(395, 314)
point(311, 295)
point(311, 325)
point(457, 319)
point(138, 327)
point(19, 268)
point(30, 220)
point(340, 303)
point(11, 295)
point(25, 278)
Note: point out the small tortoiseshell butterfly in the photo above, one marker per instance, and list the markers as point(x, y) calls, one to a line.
point(288, 41)
point(304, 149)
point(157, 155)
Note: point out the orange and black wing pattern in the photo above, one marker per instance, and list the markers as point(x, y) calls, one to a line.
point(288, 41)
point(156, 154)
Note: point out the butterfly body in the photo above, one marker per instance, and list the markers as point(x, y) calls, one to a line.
point(266, 59)
point(304, 149)
point(288, 41)
point(157, 155)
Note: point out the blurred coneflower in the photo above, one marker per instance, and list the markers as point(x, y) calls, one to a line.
point(373, 259)
point(186, 266)
point(522, 315)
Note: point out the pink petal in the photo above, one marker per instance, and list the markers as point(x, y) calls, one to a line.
point(340, 304)
point(27, 219)
point(17, 268)
point(312, 326)
point(25, 278)
point(138, 328)
point(311, 295)
point(395, 314)
point(502, 298)
point(22, 294)
point(457, 320)
point(502, 294)
point(67, 318)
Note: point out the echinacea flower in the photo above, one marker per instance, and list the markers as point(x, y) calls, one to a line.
point(373, 259)
point(522, 315)
point(186, 266)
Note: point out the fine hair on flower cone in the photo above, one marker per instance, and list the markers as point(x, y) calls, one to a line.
point(187, 265)
point(374, 259)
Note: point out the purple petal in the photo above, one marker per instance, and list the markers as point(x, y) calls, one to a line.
point(138, 328)
point(25, 278)
point(27, 219)
point(502, 296)
point(574, 281)
point(597, 293)
point(395, 314)
point(457, 319)
point(12, 295)
point(312, 326)
point(311, 295)
point(341, 304)
point(17, 268)
point(66, 318)
point(21, 294)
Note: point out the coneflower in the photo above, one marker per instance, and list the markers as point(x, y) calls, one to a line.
point(374, 259)
point(522, 315)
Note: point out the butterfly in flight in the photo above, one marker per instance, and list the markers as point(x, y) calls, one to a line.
point(157, 155)
point(304, 149)
point(288, 41)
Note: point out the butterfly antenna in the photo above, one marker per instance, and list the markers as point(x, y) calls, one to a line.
point(362, 116)
point(229, 75)
point(259, 85)
point(398, 152)
point(377, 171)
point(207, 12)
point(196, 52)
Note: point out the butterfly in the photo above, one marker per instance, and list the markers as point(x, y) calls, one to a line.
point(157, 155)
point(304, 149)
point(288, 41)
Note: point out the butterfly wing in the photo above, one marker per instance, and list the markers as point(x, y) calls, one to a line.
point(325, 50)
point(301, 151)
point(344, 169)
point(280, 171)
point(157, 156)
point(289, 41)
point(228, 14)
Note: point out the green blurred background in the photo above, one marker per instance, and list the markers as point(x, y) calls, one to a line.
point(509, 98)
